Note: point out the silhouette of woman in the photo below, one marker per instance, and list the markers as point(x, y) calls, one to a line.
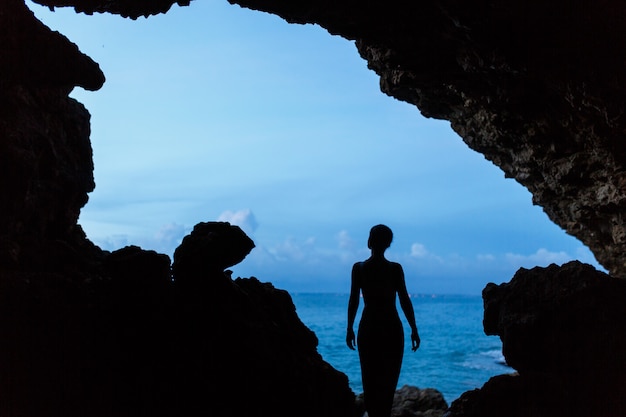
point(380, 337)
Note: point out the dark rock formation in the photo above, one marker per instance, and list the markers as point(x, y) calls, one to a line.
point(208, 250)
point(127, 340)
point(551, 319)
point(138, 268)
point(46, 168)
point(125, 8)
point(245, 334)
point(562, 329)
point(411, 401)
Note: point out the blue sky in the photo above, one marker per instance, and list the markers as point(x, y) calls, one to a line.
point(214, 112)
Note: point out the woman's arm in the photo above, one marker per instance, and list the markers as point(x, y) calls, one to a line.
point(407, 308)
point(353, 306)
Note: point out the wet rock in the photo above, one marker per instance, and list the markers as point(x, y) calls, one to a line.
point(410, 401)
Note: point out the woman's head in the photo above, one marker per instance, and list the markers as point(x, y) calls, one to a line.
point(380, 237)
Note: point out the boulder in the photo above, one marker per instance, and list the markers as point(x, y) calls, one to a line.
point(564, 319)
point(208, 250)
point(562, 329)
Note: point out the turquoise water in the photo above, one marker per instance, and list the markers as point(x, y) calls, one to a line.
point(455, 355)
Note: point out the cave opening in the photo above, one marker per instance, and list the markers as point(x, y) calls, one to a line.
point(472, 204)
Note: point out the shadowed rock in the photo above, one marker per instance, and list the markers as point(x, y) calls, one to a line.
point(244, 334)
point(208, 250)
point(129, 341)
point(411, 401)
point(567, 319)
point(562, 329)
point(125, 8)
point(46, 167)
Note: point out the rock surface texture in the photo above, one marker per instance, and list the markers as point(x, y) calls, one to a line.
point(562, 329)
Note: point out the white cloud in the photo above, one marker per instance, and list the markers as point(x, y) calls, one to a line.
point(169, 237)
point(292, 250)
point(485, 257)
point(242, 218)
point(418, 250)
point(542, 257)
point(345, 241)
point(112, 242)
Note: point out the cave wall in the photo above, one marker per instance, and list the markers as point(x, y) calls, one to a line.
point(46, 166)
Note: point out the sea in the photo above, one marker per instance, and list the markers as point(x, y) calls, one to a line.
point(455, 354)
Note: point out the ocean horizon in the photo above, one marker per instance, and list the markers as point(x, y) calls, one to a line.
point(455, 354)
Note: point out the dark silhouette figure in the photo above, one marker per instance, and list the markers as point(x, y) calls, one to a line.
point(380, 337)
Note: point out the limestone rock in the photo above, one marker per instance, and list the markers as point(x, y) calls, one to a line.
point(46, 167)
point(410, 401)
point(559, 319)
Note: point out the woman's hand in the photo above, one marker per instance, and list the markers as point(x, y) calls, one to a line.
point(350, 339)
point(415, 340)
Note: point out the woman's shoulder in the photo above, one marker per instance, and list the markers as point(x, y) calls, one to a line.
point(395, 265)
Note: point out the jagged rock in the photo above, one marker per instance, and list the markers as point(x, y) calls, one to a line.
point(125, 8)
point(559, 319)
point(245, 334)
point(247, 341)
point(562, 329)
point(209, 249)
point(34, 56)
point(132, 342)
point(141, 267)
point(410, 401)
point(46, 167)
